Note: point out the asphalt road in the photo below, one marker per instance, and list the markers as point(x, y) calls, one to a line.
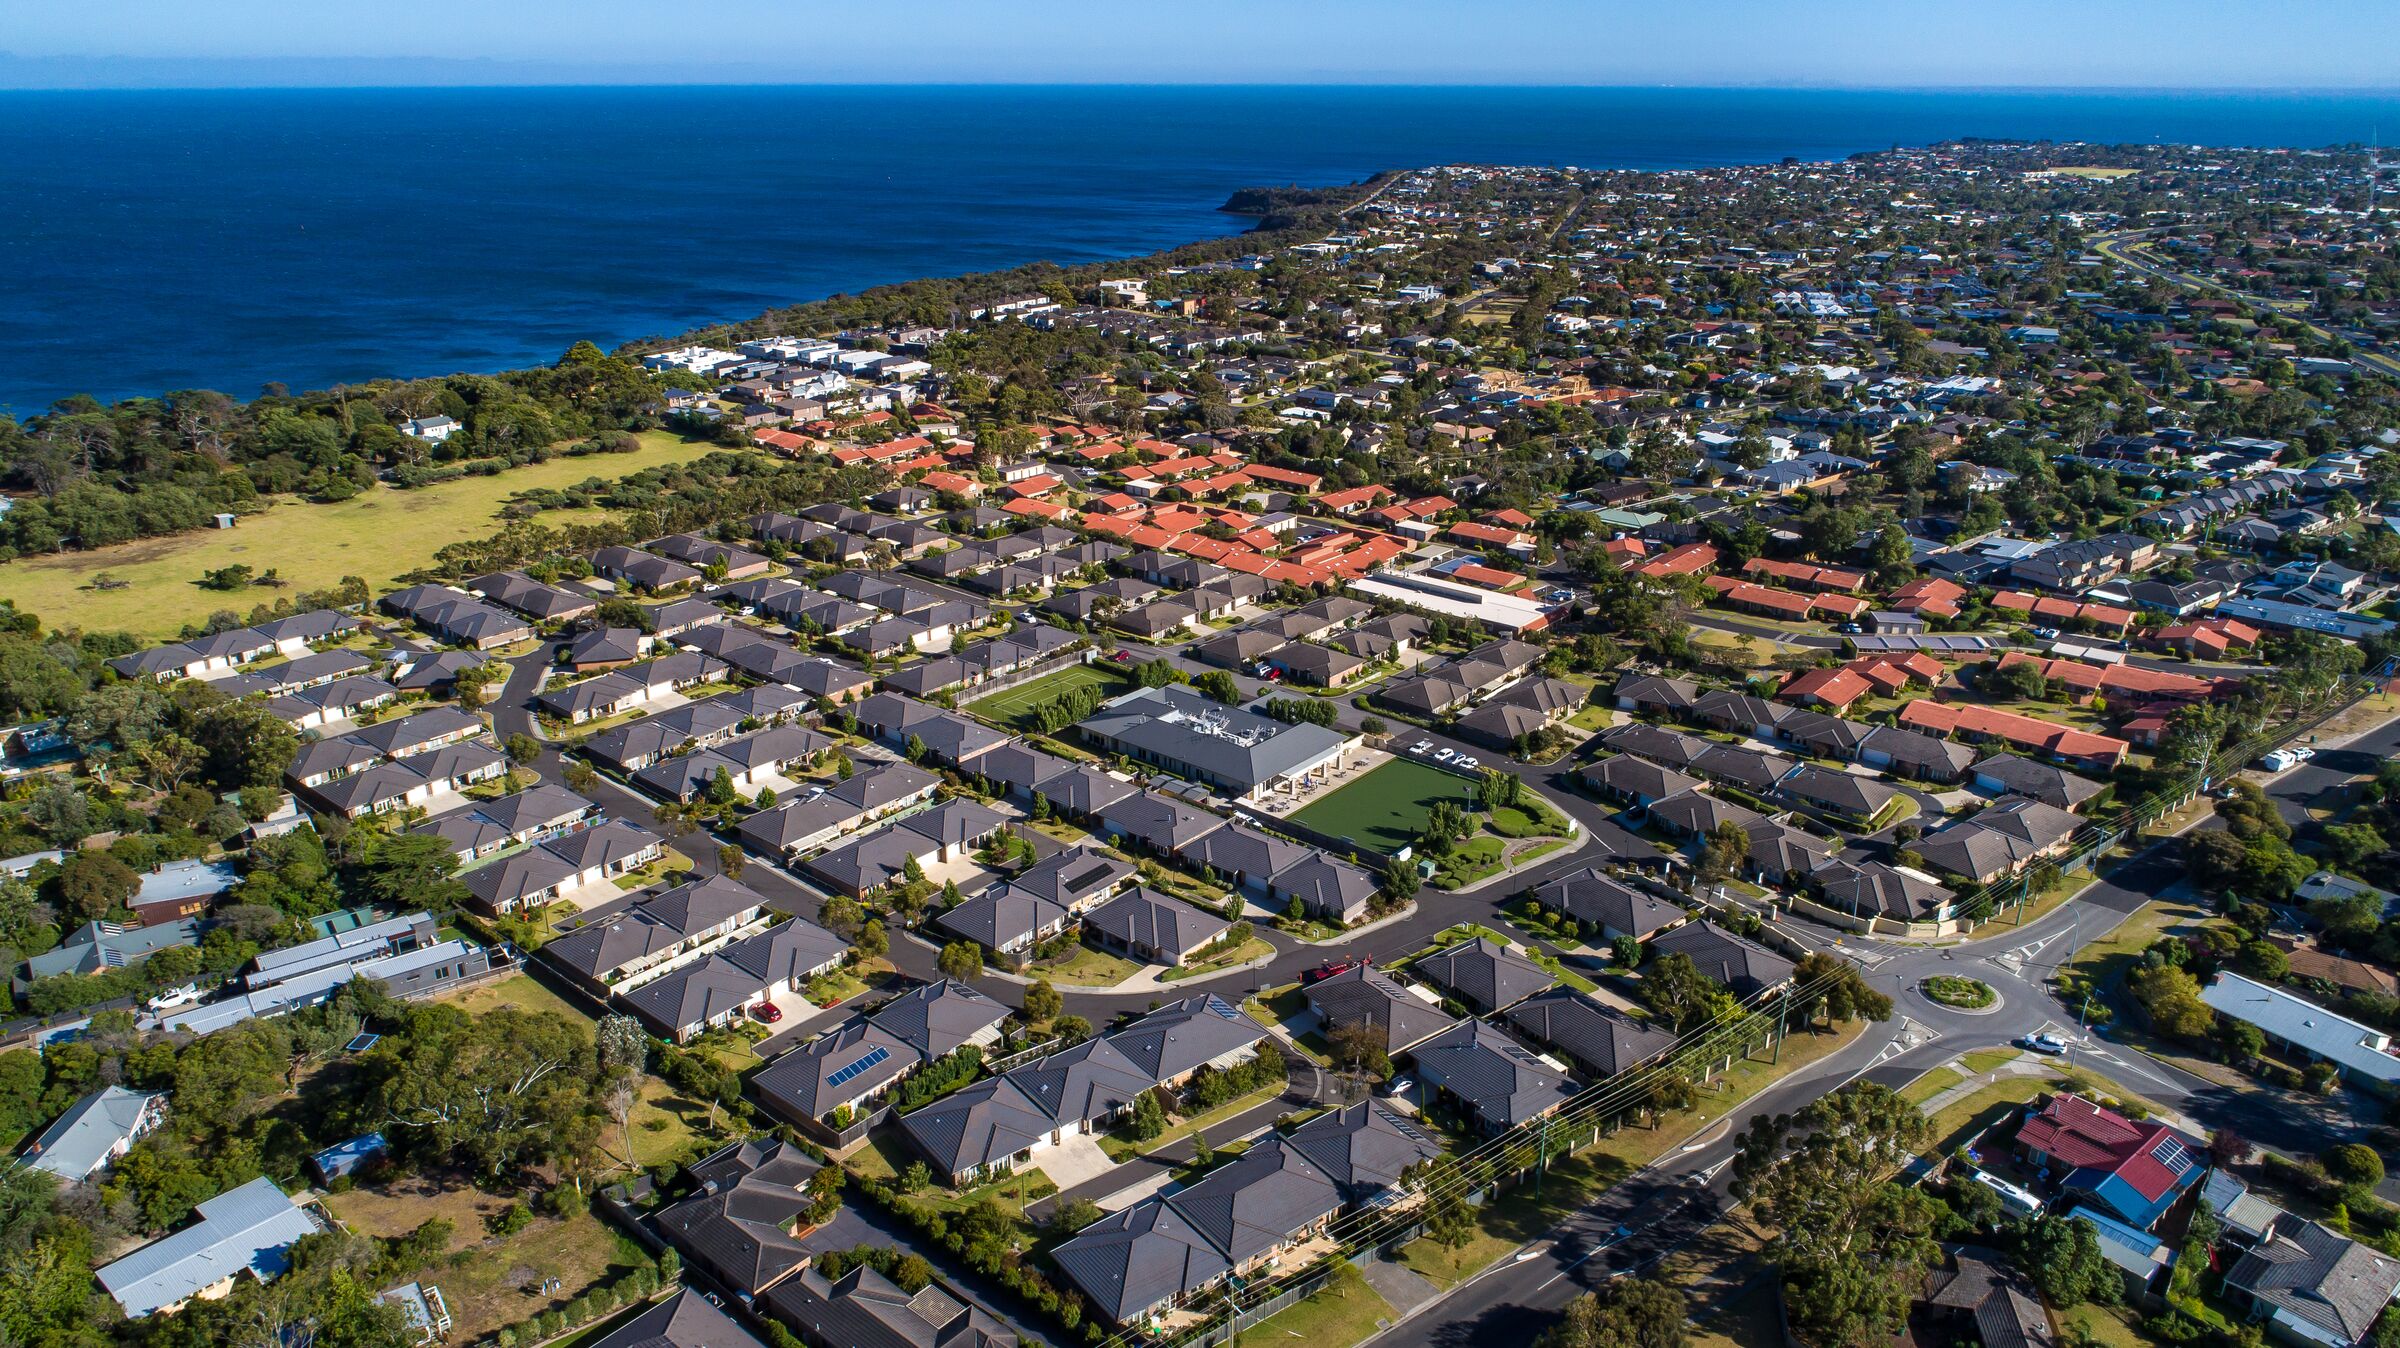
point(2128, 250)
point(1684, 1192)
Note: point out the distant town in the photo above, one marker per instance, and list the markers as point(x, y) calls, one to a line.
point(1791, 754)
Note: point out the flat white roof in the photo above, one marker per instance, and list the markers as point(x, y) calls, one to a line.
point(1451, 598)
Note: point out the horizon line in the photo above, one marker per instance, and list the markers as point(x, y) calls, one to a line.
point(2181, 90)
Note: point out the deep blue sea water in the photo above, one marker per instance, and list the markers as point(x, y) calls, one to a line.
point(152, 240)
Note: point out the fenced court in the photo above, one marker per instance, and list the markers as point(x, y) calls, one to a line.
point(1386, 809)
point(1009, 707)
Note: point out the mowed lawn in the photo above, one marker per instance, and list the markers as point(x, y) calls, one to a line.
point(1010, 707)
point(376, 535)
point(1386, 809)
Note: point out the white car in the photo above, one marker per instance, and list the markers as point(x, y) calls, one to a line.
point(1443, 755)
point(1468, 763)
point(1420, 746)
point(187, 995)
point(2044, 1043)
point(2304, 753)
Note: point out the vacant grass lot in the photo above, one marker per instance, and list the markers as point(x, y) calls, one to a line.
point(488, 1281)
point(1386, 809)
point(376, 535)
point(1010, 707)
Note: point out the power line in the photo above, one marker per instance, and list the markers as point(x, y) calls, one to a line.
point(1463, 1173)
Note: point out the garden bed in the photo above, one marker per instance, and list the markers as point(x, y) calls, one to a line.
point(1966, 994)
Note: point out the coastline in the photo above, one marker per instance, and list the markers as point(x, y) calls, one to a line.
point(224, 239)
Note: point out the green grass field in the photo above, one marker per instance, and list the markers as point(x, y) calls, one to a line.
point(1006, 708)
point(1386, 809)
point(376, 535)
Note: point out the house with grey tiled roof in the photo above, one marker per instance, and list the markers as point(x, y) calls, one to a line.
point(1260, 1203)
point(1607, 908)
point(1153, 928)
point(1178, 1039)
point(739, 1227)
point(1006, 921)
point(846, 1069)
point(1600, 1040)
point(1497, 1081)
point(1744, 968)
point(864, 1309)
point(1363, 995)
point(1365, 1149)
point(2313, 1285)
point(1636, 781)
point(1140, 1260)
point(938, 1019)
point(1484, 974)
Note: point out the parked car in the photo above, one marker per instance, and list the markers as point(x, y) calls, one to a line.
point(2043, 1043)
point(2046, 633)
point(1420, 746)
point(1123, 657)
point(2304, 753)
point(187, 995)
point(1849, 629)
point(1469, 764)
point(1443, 755)
point(767, 1012)
point(2278, 760)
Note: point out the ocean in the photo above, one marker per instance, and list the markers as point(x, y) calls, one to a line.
point(155, 240)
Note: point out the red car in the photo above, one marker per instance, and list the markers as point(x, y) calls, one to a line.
point(1123, 657)
point(768, 1012)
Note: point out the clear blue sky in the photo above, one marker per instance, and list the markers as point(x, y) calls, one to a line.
point(2164, 44)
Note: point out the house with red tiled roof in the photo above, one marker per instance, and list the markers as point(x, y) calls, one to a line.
point(1931, 597)
point(1802, 576)
point(2207, 639)
point(1350, 501)
point(1692, 559)
point(2134, 1170)
point(1759, 599)
point(2102, 617)
point(1492, 536)
point(2064, 744)
point(2088, 680)
point(1290, 478)
point(1028, 506)
point(1491, 578)
point(1041, 485)
point(1838, 607)
point(1509, 519)
point(1179, 521)
point(953, 483)
point(785, 442)
point(1833, 689)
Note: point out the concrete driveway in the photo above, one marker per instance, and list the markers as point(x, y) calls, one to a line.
point(1077, 1160)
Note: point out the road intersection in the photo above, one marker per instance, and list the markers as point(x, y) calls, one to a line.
point(1685, 1191)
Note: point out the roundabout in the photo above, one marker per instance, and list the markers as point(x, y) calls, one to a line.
point(1952, 992)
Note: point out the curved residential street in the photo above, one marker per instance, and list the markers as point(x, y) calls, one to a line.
point(1686, 1190)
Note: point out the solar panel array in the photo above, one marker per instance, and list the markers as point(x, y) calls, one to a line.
point(1871, 642)
point(869, 1059)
